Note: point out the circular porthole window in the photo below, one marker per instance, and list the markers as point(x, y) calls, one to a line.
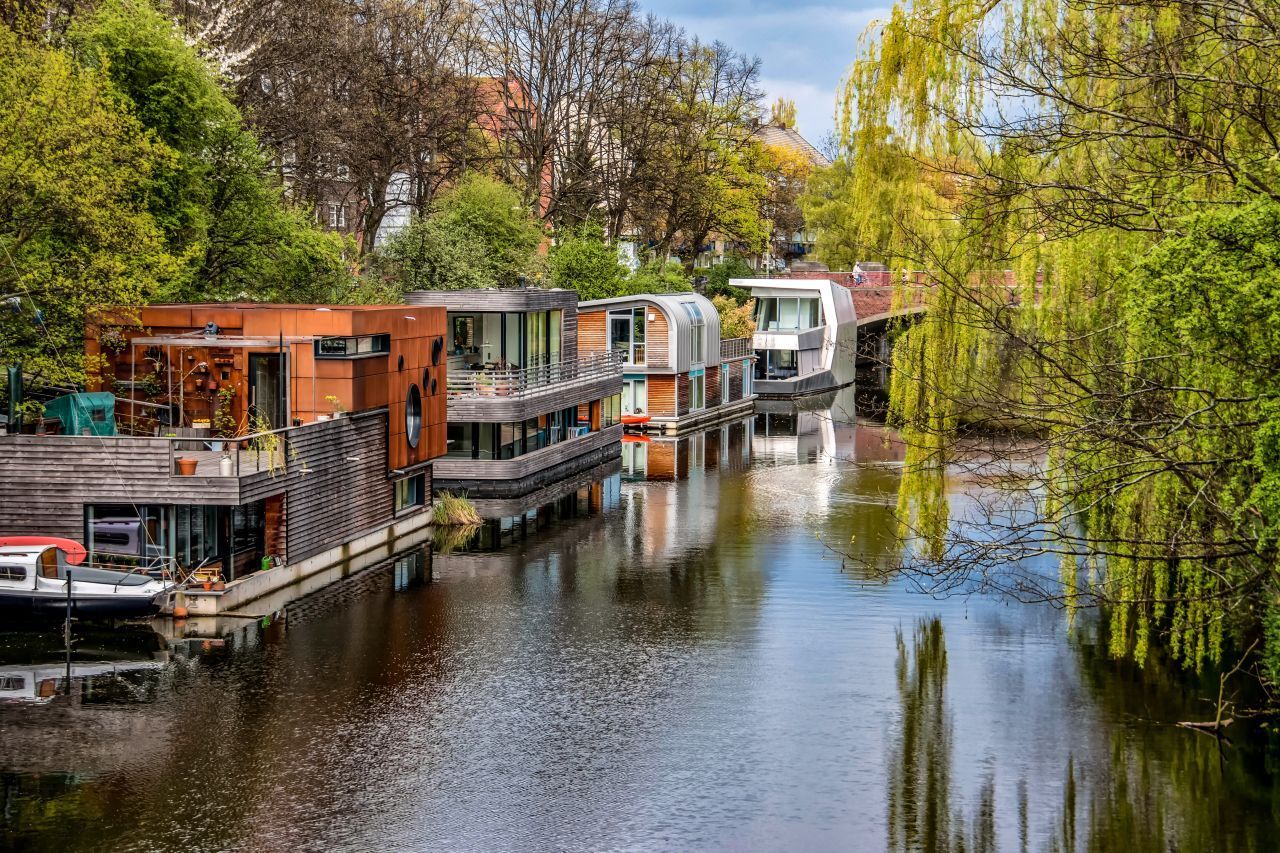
point(437, 347)
point(400, 363)
point(413, 416)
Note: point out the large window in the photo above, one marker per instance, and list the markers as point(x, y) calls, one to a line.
point(635, 395)
point(777, 364)
point(697, 390)
point(746, 379)
point(511, 439)
point(724, 383)
point(698, 333)
point(788, 313)
point(410, 492)
point(504, 340)
point(627, 334)
point(610, 411)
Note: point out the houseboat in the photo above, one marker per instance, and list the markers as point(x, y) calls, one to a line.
point(247, 437)
point(678, 373)
point(526, 407)
point(805, 338)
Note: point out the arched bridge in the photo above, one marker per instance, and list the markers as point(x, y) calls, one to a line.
point(876, 314)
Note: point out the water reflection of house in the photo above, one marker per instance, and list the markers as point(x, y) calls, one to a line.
point(819, 429)
point(526, 407)
point(676, 368)
point(303, 433)
point(806, 333)
point(724, 447)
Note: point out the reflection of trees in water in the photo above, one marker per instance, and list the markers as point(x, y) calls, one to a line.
point(921, 815)
point(1166, 788)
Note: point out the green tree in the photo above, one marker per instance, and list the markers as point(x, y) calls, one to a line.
point(718, 279)
point(658, 277)
point(735, 318)
point(221, 211)
point(75, 231)
point(1105, 273)
point(478, 234)
point(581, 260)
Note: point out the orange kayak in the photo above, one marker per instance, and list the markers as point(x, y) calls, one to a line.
point(635, 420)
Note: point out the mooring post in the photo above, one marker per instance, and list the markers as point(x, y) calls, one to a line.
point(66, 632)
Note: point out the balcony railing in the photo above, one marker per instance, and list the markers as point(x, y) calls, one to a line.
point(506, 382)
point(731, 348)
point(249, 454)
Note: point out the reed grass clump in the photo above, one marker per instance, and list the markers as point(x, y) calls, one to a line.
point(452, 510)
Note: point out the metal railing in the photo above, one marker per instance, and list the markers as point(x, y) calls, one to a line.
point(731, 348)
point(496, 381)
point(248, 454)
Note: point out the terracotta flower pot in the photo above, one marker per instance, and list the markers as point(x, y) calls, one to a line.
point(186, 467)
point(211, 385)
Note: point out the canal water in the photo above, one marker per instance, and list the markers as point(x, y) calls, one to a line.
point(676, 657)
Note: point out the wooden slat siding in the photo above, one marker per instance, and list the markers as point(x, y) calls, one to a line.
point(450, 468)
point(712, 386)
point(561, 395)
point(345, 490)
point(508, 507)
point(57, 476)
point(593, 332)
point(496, 299)
point(657, 343)
point(682, 394)
point(662, 395)
point(49, 479)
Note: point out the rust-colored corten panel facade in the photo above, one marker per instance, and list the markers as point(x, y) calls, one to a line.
point(171, 363)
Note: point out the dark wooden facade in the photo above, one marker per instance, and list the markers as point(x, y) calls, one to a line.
point(334, 485)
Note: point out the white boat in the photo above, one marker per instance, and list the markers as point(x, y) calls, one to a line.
point(39, 683)
point(34, 578)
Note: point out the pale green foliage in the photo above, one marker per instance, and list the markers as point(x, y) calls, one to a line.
point(735, 320)
point(478, 234)
point(72, 233)
point(1120, 162)
point(660, 278)
point(454, 510)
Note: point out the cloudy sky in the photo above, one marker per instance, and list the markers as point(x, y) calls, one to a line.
point(805, 47)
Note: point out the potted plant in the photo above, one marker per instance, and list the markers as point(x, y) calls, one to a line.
point(186, 466)
point(336, 404)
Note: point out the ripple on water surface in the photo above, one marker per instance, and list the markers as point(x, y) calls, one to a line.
point(710, 661)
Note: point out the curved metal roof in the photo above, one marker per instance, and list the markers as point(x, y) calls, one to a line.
point(672, 306)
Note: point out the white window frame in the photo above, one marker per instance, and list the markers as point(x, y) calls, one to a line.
point(697, 380)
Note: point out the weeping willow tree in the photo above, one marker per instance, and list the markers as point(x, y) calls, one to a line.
point(1093, 189)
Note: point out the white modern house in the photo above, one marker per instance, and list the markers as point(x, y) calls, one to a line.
point(806, 335)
